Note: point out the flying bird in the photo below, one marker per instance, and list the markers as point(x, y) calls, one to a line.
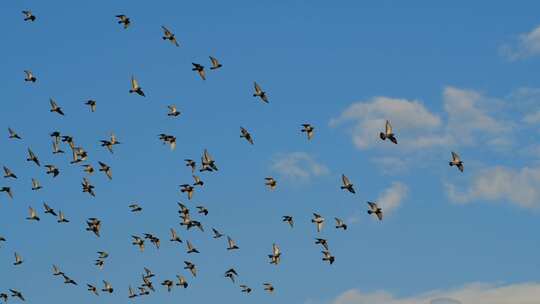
point(92, 104)
point(198, 181)
point(181, 281)
point(199, 69)
point(93, 289)
point(7, 190)
point(168, 35)
point(107, 287)
point(123, 19)
point(135, 88)
point(308, 129)
point(28, 16)
point(260, 93)
point(33, 214)
point(270, 182)
point(56, 148)
point(388, 133)
point(322, 242)
point(191, 163)
point(87, 187)
point(13, 134)
point(29, 76)
point(32, 157)
point(169, 284)
point(51, 169)
point(375, 209)
point(55, 107)
point(135, 208)
point(175, 237)
point(231, 273)
point(191, 267)
point(94, 225)
point(88, 169)
point(347, 184)
point(231, 244)
point(8, 173)
point(268, 287)
point(16, 294)
point(138, 241)
point(62, 217)
point(456, 161)
point(188, 189)
point(318, 220)
point(49, 210)
point(245, 288)
point(191, 248)
point(202, 210)
point(327, 256)
point(207, 162)
point(340, 224)
point(288, 219)
point(173, 111)
point(217, 234)
point(215, 63)
point(275, 257)
point(105, 169)
point(18, 259)
point(245, 134)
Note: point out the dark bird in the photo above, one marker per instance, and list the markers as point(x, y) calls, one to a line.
point(217, 234)
point(340, 224)
point(191, 163)
point(173, 111)
point(327, 256)
point(168, 35)
point(181, 281)
point(198, 181)
point(7, 190)
point(347, 184)
point(55, 107)
point(268, 287)
point(270, 182)
point(388, 133)
point(207, 162)
point(456, 161)
point(322, 242)
point(107, 287)
point(215, 63)
point(318, 221)
point(29, 76)
point(191, 248)
point(56, 271)
point(245, 134)
point(231, 273)
point(92, 289)
point(16, 294)
point(68, 280)
point(92, 104)
point(105, 169)
point(288, 219)
point(135, 208)
point(308, 129)
point(49, 210)
point(51, 169)
point(200, 69)
point(168, 139)
point(8, 173)
point(94, 225)
point(169, 284)
point(13, 134)
point(191, 267)
point(375, 209)
point(123, 19)
point(202, 210)
point(87, 187)
point(135, 88)
point(32, 157)
point(188, 189)
point(245, 288)
point(88, 169)
point(260, 93)
point(138, 241)
point(28, 16)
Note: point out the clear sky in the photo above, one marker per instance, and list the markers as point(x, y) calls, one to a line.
point(457, 76)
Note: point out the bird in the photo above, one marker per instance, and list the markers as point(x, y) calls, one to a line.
point(105, 169)
point(56, 136)
point(135, 88)
point(131, 293)
point(191, 267)
point(456, 161)
point(260, 93)
point(327, 256)
point(49, 210)
point(199, 69)
point(123, 19)
point(231, 273)
point(168, 139)
point(173, 111)
point(107, 287)
point(28, 16)
point(183, 208)
point(181, 281)
point(135, 208)
point(4, 297)
point(268, 287)
point(322, 242)
point(388, 133)
point(215, 63)
point(7, 190)
point(13, 134)
point(94, 225)
point(55, 107)
point(147, 283)
point(175, 237)
point(275, 257)
point(87, 187)
point(102, 254)
point(191, 163)
point(88, 169)
point(168, 35)
point(138, 241)
point(16, 294)
point(29, 76)
point(318, 220)
point(33, 215)
point(207, 162)
point(375, 209)
point(347, 184)
point(148, 273)
point(69, 140)
point(231, 244)
point(142, 292)
point(245, 134)
point(202, 210)
point(92, 104)
point(32, 157)
point(217, 234)
point(99, 263)
point(8, 173)
point(191, 248)
point(188, 189)
point(93, 289)
point(56, 271)
point(198, 181)
point(288, 219)
point(308, 129)
point(56, 148)
point(245, 288)
point(340, 224)
point(51, 169)
point(18, 259)
point(68, 280)
point(169, 284)
point(270, 182)
point(61, 217)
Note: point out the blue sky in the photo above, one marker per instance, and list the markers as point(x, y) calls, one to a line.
point(459, 77)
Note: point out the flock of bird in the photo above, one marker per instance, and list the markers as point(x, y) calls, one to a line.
point(207, 164)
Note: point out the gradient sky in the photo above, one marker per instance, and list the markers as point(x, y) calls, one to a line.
point(459, 77)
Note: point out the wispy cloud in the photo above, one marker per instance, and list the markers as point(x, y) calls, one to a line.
point(392, 197)
point(298, 166)
point(517, 186)
point(527, 45)
point(478, 293)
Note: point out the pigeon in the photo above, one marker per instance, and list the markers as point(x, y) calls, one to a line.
point(270, 182)
point(231, 273)
point(456, 161)
point(93, 289)
point(327, 256)
point(49, 210)
point(340, 224)
point(288, 219)
point(173, 111)
point(375, 209)
point(188, 189)
point(388, 133)
point(347, 184)
point(198, 181)
point(131, 293)
point(123, 19)
point(199, 69)
point(55, 107)
point(142, 292)
point(207, 162)
point(135, 88)
point(107, 287)
point(268, 287)
point(168, 139)
point(245, 134)
point(322, 242)
point(36, 185)
point(217, 234)
point(138, 241)
point(7, 190)
point(16, 294)
point(29, 76)
point(191, 163)
point(51, 169)
point(181, 281)
point(191, 248)
point(169, 284)
point(135, 208)
point(215, 63)
point(275, 257)
point(174, 236)
point(148, 273)
point(168, 35)
point(103, 254)
point(56, 271)
point(99, 263)
point(147, 283)
point(88, 169)
point(92, 104)
point(202, 210)
point(245, 288)
point(308, 129)
point(8, 173)
point(260, 93)
point(33, 215)
point(94, 225)
point(61, 217)
point(231, 244)
point(13, 134)
point(87, 187)
point(28, 16)
point(318, 220)
point(18, 259)
point(105, 169)
point(191, 267)
point(68, 280)
point(56, 148)
point(32, 157)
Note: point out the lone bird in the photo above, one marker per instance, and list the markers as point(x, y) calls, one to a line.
point(347, 184)
point(13, 134)
point(373, 208)
point(173, 111)
point(123, 19)
point(245, 134)
point(456, 161)
point(28, 16)
point(308, 129)
point(270, 182)
point(168, 35)
point(388, 133)
point(29, 76)
point(135, 88)
point(288, 219)
point(260, 93)
point(92, 104)
point(55, 107)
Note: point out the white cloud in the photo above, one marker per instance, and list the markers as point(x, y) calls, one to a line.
point(520, 187)
point(298, 166)
point(528, 45)
point(409, 119)
point(392, 197)
point(391, 165)
point(524, 293)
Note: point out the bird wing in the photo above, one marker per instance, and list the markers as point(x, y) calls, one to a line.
point(345, 180)
point(134, 83)
point(388, 128)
